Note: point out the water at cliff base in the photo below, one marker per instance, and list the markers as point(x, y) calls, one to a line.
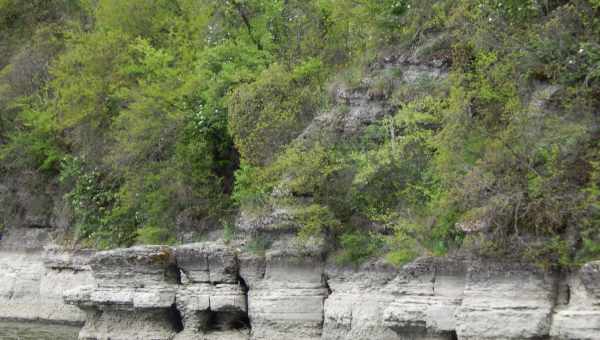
point(10, 330)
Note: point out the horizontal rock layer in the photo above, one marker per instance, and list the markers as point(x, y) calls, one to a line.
point(32, 285)
point(211, 291)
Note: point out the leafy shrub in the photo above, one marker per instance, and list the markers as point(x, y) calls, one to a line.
point(356, 247)
point(250, 190)
point(269, 113)
point(35, 146)
point(92, 198)
point(316, 221)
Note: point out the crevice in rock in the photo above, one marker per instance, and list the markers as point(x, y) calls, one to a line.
point(245, 289)
point(39, 226)
point(207, 261)
point(325, 281)
point(433, 279)
point(173, 274)
point(175, 318)
point(419, 330)
point(561, 295)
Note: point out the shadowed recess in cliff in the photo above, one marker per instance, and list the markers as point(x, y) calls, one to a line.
point(223, 321)
point(176, 319)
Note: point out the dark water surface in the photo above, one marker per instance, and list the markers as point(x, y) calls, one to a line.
point(10, 330)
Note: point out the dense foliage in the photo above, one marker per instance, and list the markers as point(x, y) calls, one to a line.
point(164, 117)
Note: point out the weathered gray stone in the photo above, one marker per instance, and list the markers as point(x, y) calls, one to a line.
point(578, 317)
point(287, 303)
point(379, 301)
point(135, 267)
point(506, 301)
point(133, 295)
point(125, 325)
point(290, 295)
point(427, 294)
point(31, 291)
point(212, 300)
point(207, 262)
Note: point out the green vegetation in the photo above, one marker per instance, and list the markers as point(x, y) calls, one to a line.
point(164, 117)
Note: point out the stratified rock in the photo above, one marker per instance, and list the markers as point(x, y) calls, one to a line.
point(426, 294)
point(212, 299)
point(118, 324)
point(505, 301)
point(354, 309)
point(590, 278)
point(207, 262)
point(289, 295)
point(133, 297)
point(379, 301)
point(578, 317)
point(135, 267)
point(32, 285)
point(287, 302)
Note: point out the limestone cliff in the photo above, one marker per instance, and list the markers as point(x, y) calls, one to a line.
point(213, 291)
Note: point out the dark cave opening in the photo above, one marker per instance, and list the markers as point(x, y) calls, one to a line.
point(175, 319)
point(223, 321)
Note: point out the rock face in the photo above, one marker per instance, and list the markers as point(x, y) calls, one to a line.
point(358, 106)
point(215, 292)
point(427, 295)
point(133, 296)
point(33, 279)
point(212, 298)
point(578, 311)
point(34, 273)
point(354, 310)
point(380, 302)
point(286, 295)
point(212, 291)
point(498, 295)
point(32, 289)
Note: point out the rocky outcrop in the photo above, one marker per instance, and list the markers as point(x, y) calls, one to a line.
point(417, 302)
point(354, 310)
point(577, 315)
point(212, 291)
point(427, 295)
point(34, 272)
point(506, 301)
point(286, 295)
point(133, 296)
point(32, 285)
point(212, 297)
point(359, 105)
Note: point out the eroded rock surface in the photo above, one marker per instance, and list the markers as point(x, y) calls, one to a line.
point(32, 282)
point(506, 301)
point(212, 298)
point(286, 295)
point(354, 310)
point(212, 291)
point(578, 312)
point(133, 296)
